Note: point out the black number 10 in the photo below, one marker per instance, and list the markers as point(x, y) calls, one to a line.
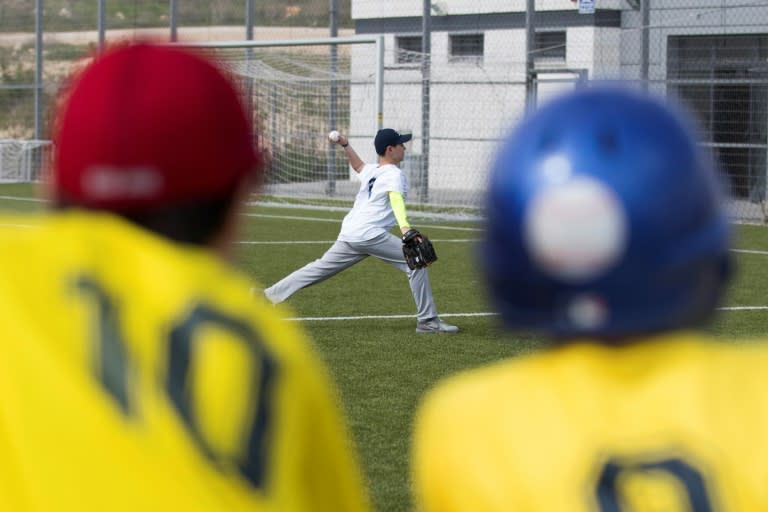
point(689, 477)
point(112, 368)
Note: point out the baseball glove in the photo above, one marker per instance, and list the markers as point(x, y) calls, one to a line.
point(418, 250)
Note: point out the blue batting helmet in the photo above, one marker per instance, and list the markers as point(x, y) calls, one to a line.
point(604, 219)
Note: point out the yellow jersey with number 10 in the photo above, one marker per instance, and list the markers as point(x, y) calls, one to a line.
point(138, 374)
point(673, 423)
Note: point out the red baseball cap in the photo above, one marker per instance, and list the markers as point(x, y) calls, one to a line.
point(147, 125)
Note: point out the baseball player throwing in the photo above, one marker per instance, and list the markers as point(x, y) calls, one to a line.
point(379, 205)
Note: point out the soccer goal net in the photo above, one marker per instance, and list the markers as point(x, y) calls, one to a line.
point(23, 160)
point(300, 90)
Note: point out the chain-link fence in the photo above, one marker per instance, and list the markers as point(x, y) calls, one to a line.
point(478, 80)
point(712, 56)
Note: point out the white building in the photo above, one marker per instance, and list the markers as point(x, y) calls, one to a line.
point(707, 52)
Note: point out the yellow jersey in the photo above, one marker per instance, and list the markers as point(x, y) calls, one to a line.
point(138, 374)
point(673, 423)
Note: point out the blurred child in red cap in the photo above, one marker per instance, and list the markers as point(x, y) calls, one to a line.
point(138, 373)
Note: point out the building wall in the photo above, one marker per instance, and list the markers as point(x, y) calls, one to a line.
point(672, 17)
point(473, 103)
point(403, 8)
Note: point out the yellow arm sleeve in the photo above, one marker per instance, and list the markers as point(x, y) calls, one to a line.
point(398, 207)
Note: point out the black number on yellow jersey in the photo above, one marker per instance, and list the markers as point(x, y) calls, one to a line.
point(616, 482)
point(110, 360)
point(181, 357)
point(112, 368)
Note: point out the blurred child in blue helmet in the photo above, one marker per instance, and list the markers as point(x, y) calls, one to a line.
point(606, 234)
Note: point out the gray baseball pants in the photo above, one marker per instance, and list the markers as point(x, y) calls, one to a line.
point(342, 255)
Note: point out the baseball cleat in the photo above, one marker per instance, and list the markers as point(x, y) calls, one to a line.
point(435, 325)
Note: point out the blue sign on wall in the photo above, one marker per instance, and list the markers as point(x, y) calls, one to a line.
point(586, 6)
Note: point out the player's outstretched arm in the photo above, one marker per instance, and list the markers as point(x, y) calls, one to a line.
point(354, 159)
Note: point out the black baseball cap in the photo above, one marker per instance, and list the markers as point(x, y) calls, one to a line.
point(389, 137)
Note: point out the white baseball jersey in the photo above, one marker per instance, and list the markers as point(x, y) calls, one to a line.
point(372, 214)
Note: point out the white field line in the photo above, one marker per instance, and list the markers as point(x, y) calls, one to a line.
point(284, 217)
point(385, 317)
point(329, 242)
point(31, 199)
point(748, 251)
point(338, 221)
point(292, 217)
point(321, 219)
point(378, 317)
point(447, 315)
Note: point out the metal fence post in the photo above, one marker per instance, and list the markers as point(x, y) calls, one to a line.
point(101, 25)
point(38, 69)
point(173, 21)
point(426, 51)
point(332, 106)
point(530, 43)
point(645, 45)
point(249, 20)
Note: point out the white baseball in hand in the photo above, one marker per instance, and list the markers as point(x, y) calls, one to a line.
point(334, 136)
